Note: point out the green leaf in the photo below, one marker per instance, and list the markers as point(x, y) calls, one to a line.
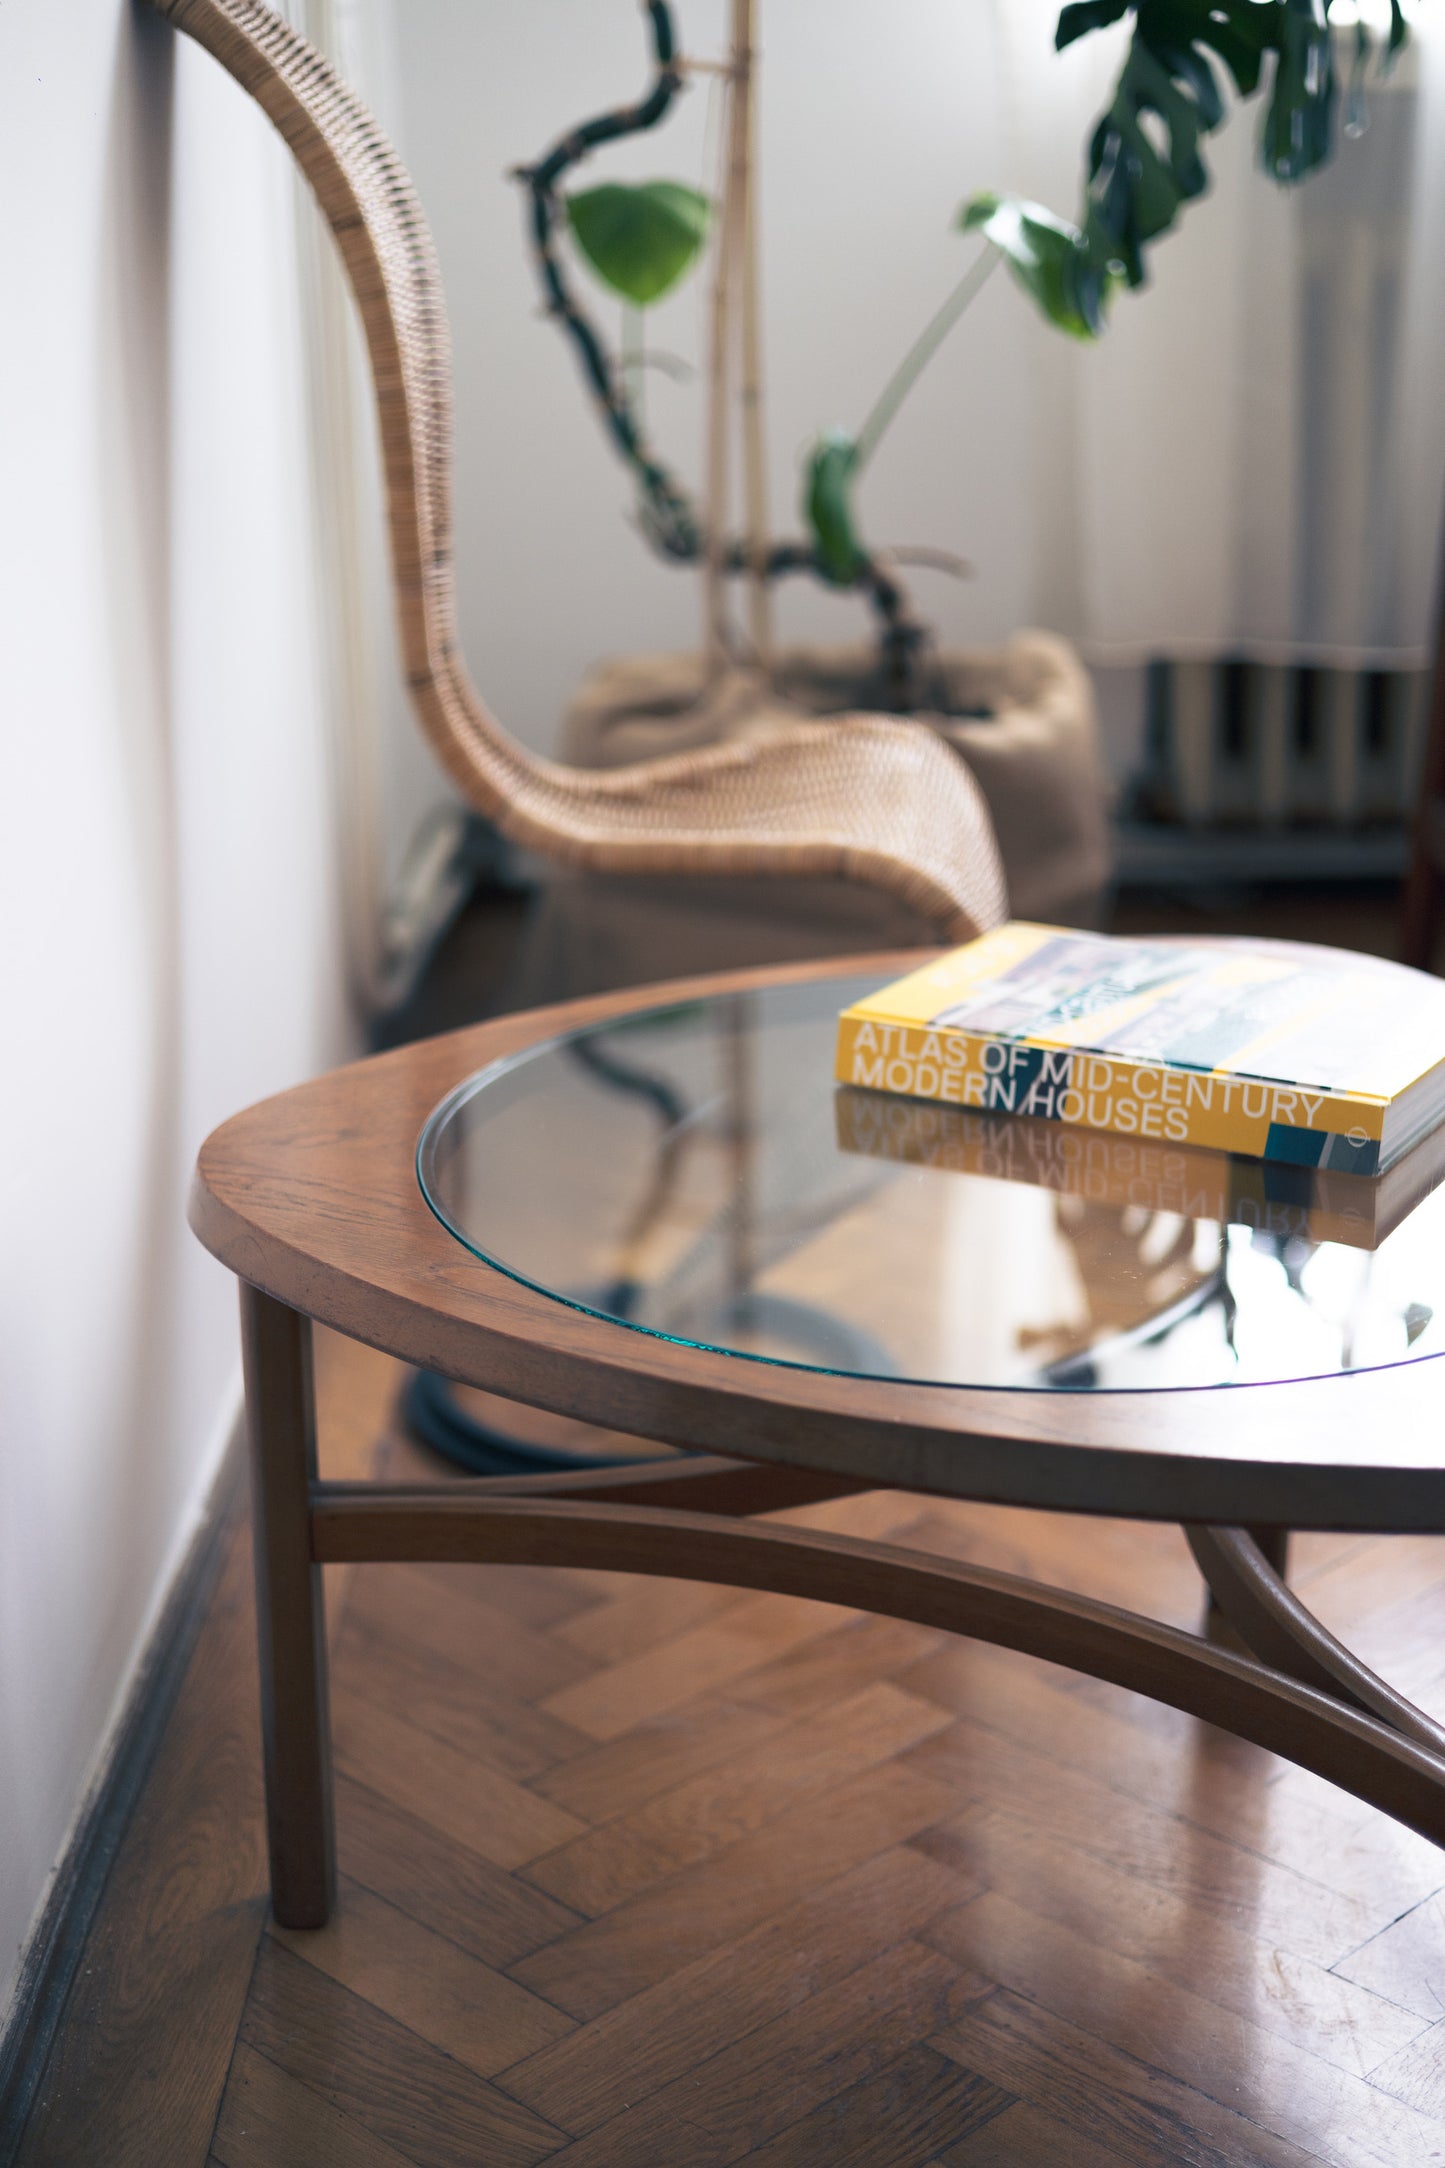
point(640, 239)
point(1146, 156)
point(1146, 159)
point(1140, 175)
point(1082, 16)
point(1299, 122)
point(1241, 32)
point(1046, 256)
point(828, 509)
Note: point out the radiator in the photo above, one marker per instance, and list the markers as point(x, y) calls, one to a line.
point(1242, 744)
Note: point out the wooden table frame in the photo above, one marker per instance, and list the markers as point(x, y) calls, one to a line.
point(312, 1200)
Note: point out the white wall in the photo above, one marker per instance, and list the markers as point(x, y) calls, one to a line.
point(170, 946)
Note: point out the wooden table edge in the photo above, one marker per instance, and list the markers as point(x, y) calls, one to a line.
point(440, 1307)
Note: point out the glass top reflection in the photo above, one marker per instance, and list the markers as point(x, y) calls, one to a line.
point(694, 1172)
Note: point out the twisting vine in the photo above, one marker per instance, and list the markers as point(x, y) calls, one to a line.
point(669, 517)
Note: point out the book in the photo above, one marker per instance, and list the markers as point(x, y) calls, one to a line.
point(1268, 1049)
point(1271, 1197)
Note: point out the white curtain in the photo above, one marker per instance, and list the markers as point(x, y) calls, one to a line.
point(1253, 461)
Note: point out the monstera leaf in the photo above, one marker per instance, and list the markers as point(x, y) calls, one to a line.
point(1146, 157)
point(640, 238)
point(1145, 161)
point(1046, 255)
point(828, 509)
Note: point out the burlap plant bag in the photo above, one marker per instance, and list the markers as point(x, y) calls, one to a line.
point(1022, 716)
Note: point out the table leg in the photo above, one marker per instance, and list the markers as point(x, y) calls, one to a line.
point(1274, 1547)
point(290, 1620)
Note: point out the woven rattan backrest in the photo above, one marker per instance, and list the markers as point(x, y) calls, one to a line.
point(867, 799)
point(371, 205)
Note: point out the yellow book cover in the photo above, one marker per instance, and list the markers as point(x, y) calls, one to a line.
point(1268, 1049)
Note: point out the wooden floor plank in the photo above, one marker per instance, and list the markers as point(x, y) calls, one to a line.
point(854, 1653)
point(356, 1392)
point(618, 1776)
point(639, 1613)
point(1353, 1579)
point(1417, 2075)
point(1224, 1784)
point(679, 1668)
point(442, 1884)
point(1297, 1998)
point(427, 1983)
point(455, 1702)
point(1140, 1566)
point(612, 1958)
point(1406, 1960)
point(1248, 1797)
point(696, 1819)
point(659, 2035)
point(895, 2119)
point(411, 2096)
point(1274, 1896)
point(1172, 1761)
point(875, 1516)
point(1024, 2137)
point(270, 2120)
point(534, 1596)
point(741, 2098)
point(448, 1612)
point(1297, 2096)
point(1112, 2100)
point(1400, 1642)
point(434, 1780)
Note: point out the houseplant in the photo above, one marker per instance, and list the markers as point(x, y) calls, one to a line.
point(1024, 712)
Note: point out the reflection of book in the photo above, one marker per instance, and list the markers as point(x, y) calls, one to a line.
point(1317, 1204)
point(1309, 1056)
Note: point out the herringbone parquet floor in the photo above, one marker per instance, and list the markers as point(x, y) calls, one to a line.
point(648, 1875)
point(661, 1876)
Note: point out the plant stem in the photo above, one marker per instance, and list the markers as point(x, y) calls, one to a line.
point(922, 351)
point(632, 361)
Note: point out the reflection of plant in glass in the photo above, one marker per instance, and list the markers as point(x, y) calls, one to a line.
point(1143, 164)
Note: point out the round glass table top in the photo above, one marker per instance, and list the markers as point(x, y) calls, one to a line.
point(693, 1171)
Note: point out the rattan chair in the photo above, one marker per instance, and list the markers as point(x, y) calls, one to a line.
point(866, 798)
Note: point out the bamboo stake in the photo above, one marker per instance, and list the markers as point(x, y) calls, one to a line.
point(721, 358)
point(755, 469)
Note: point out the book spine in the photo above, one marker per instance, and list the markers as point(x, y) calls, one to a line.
point(1221, 1112)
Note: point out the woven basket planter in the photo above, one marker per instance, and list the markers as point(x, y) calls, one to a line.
point(1021, 716)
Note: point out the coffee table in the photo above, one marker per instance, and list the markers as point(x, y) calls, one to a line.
point(653, 1211)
